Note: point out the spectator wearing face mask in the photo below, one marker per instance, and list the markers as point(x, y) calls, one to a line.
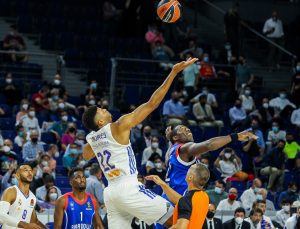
point(52, 153)
point(94, 89)
point(30, 122)
point(150, 164)
point(94, 185)
point(265, 222)
point(204, 114)
point(60, 127)
point(50, 199)
point(9, 179)
point(230, 203)
point(159, 169)
point(10, 90)
point(190, 77)
point(265, 114)
point(210, 98)
point(275, 134)
point(262, 195)
point(238, 115)
point(218, 193)
point(44, 166)
point(274, 166)
point(69, 137)
point(207, 70)
point(244, 75)
point(32, 147)
point(57, 84)
point(282, 104)
point(41, 192)
point(249, 196)
point(21, 137)
point(238, 221)
point(24, 105)
point(80, 139)
point(69, 158)
point(283, 214)
point(294, 221)
point(295, 90)
point(144, 141)
point(53, 100)
point(254, 218)
point(7, 156)
point(247, 101)
point(290, 195)
point(154, 148)
point(210, 221)
point(230, 165)
point(291, 147)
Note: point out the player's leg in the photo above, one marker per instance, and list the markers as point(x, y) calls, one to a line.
point(146, 205)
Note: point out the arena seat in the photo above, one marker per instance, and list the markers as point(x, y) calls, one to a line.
point(7, 123)
point(48, 138)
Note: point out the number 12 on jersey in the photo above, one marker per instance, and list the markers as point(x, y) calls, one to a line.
point(104, 160)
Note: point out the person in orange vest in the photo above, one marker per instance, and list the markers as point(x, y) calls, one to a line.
point(191, 209)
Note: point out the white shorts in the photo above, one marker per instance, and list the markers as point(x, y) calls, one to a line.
point(127, 199)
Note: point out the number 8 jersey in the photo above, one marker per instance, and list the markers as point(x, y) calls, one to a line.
point(115, 159)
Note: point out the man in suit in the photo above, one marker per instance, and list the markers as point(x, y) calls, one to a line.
point(238, 221)
point(210, 221)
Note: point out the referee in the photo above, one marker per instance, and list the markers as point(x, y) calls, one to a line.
point(191, 209)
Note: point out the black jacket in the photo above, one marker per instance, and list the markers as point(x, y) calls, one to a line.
point(217, 224)
point(230, 224)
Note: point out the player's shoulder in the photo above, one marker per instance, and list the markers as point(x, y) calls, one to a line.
point(10, 194)
point(62, 201)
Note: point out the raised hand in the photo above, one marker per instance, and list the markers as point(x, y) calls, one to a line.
point(182, 65)
point(245, 136)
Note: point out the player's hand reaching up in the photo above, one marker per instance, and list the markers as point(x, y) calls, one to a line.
point(182, 65)
point(246, 136)
point(155, 179)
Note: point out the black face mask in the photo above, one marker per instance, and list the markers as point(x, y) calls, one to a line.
point(254, 127)
point(202, 103)
point(238, 105)
point(210, 215)
point(34, 140)
point(289, 141)
point(175, 100)
point(147, 134)
point(72, 129)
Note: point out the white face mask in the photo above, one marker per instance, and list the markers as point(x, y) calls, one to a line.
point(82, 163)
point(158, 165)
point(286, 208)
point(154, 145)
point(14, 181)
point(92, 102)
point(57, 82)
point(259, 197)
point(64, 118)
point(239, 220)
point(227, 155)
point(265, 105)
point(8, 80)
point(56, 154)
point(25, 106)
point(61, 105)
point(45, 163)
point(6, 149)
point(53, 196)
point(31, 113)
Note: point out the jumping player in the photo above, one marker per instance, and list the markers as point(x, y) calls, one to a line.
point(184, 152)
point(18, 203)
point(77, 209)
point(125, 197)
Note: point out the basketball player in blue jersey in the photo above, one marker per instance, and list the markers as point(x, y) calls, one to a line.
point(17, 205)
point(77, 209)
point(183, 154)
point(125, 197)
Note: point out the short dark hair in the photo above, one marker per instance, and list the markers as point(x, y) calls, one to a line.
point(261, 202)
point(240, 209)
point(22, 164)
point(95, 168)
point(48, 178)
point(221, 182)
point(88, 118)
point(256, 210)
point(286, 201)
point(291, 184)
point(73, 171)
point(203, 96)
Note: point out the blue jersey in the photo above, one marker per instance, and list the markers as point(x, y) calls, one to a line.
point(78, 215)
point(177, 170)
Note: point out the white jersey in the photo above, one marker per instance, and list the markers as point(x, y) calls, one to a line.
point(22, 208)
point(115, 159)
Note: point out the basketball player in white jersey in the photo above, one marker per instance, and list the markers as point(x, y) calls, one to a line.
point(17, 205)
point(125, 197)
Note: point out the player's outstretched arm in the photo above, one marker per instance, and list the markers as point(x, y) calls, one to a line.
point(97, 222)
point(181, 224)
point(59, 213)
point(128, 121)
point(171, 193)
point(195, 149)
point(88, 152)
point(9, 196)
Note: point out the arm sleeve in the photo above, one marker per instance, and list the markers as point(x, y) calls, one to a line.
point(184, 208)
point(4, 217)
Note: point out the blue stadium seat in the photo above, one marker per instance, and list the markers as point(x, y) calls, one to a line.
point(60, 170)
point(62, 182)
point(7, 109)
point(7, 124)
point(239, 185)
point(8, 134)
point(210, 132)
point(65, 190)
point(197, 133)
point(2, 99)
point(48, 138)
